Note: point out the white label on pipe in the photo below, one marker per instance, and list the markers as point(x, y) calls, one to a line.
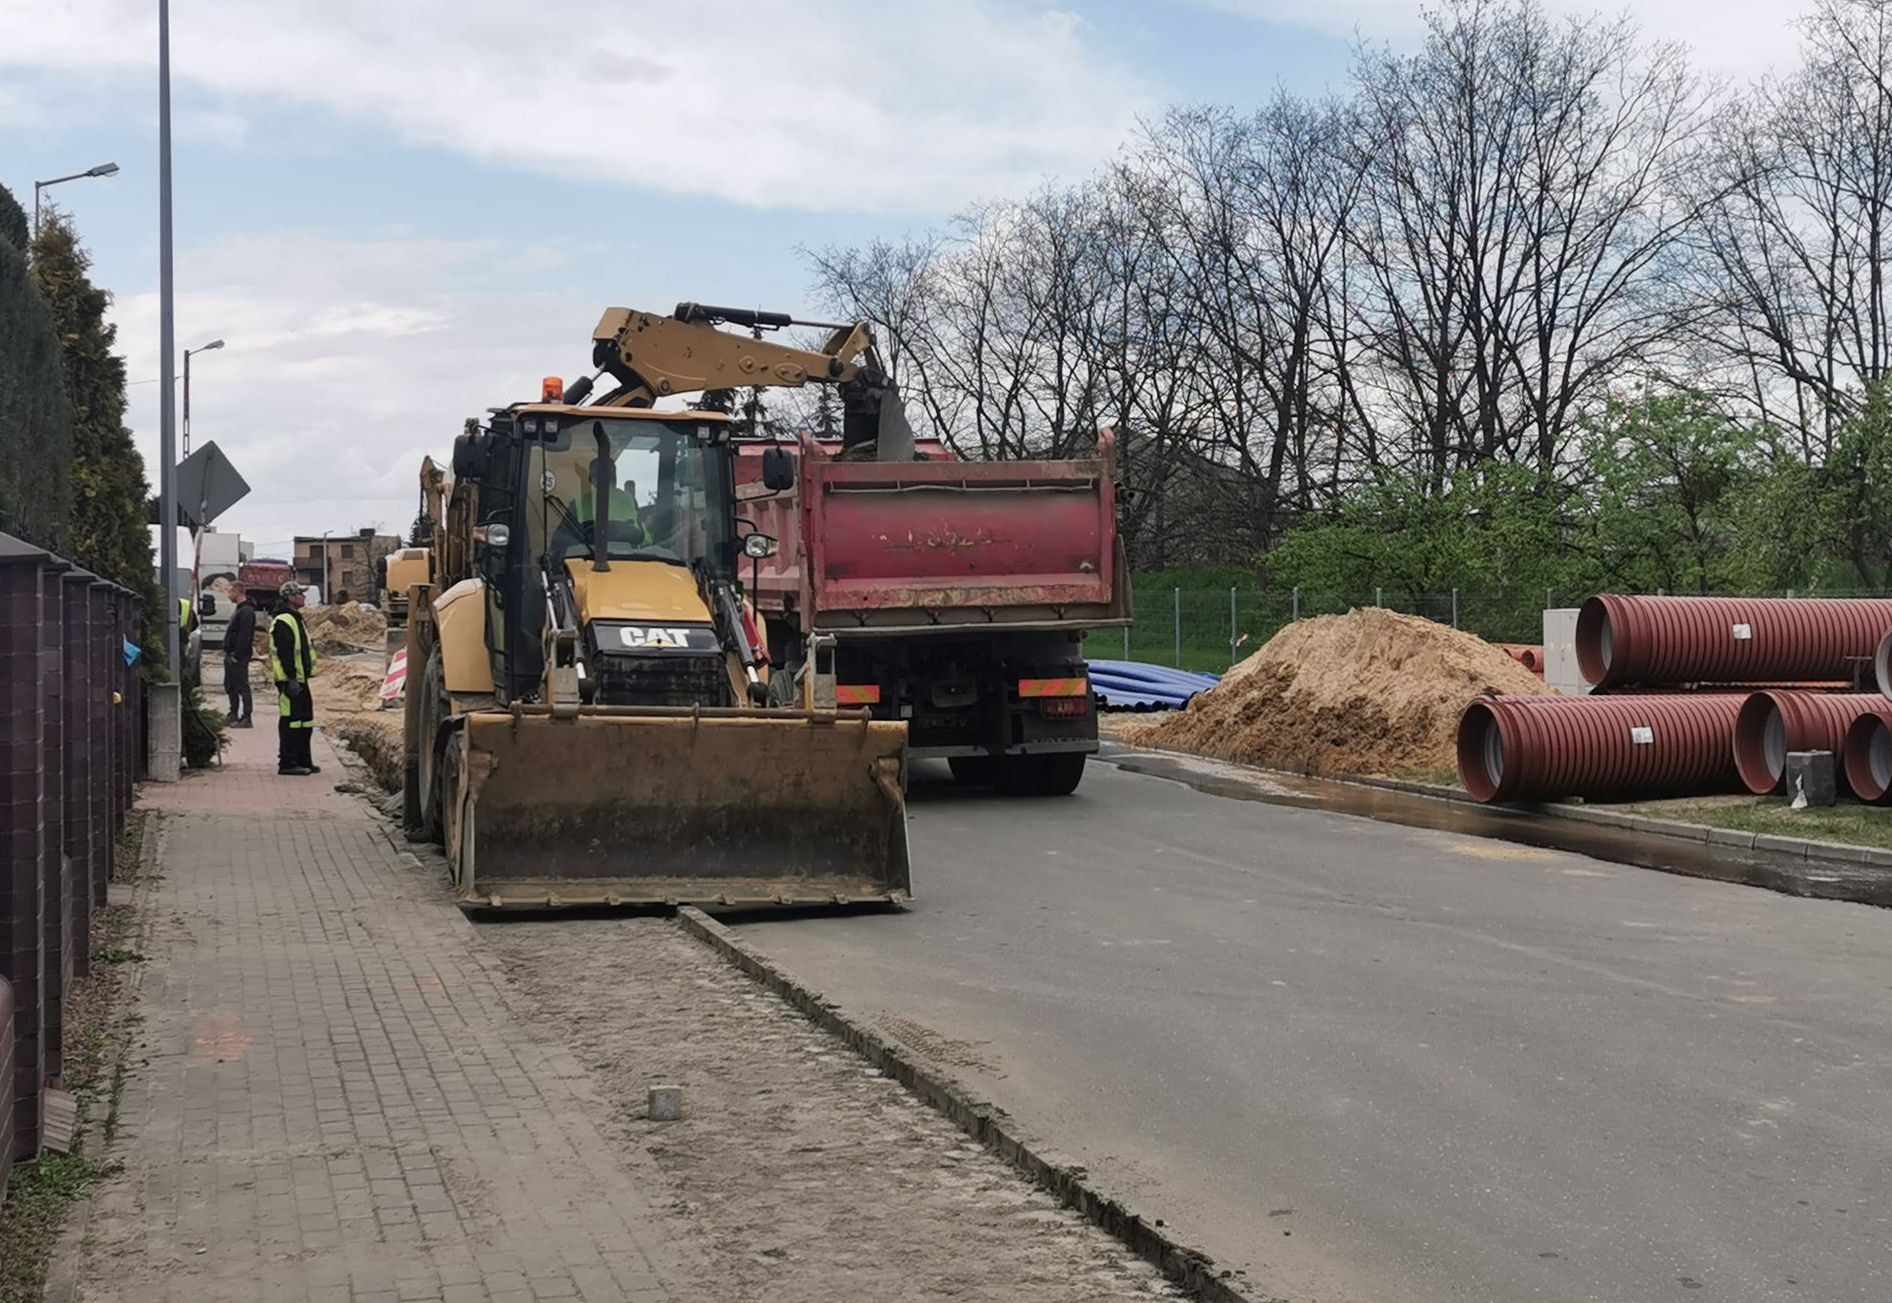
point(1642, 735)
point(1743, 632)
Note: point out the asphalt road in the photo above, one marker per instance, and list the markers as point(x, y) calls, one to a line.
point(1365, 1062)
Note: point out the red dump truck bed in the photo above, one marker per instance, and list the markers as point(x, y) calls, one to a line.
point(955, 597)
point(938, 545)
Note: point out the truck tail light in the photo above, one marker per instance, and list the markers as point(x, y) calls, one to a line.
point(857, 694)
point(1079, 686)
point(1063, 707)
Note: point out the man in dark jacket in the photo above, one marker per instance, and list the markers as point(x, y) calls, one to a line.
point(292, 665)
point(239, 648)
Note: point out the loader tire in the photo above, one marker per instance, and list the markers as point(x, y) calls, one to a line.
point(1061, 772)
point(782, 687)
point(973, 771)
point(428, 788)
point(451, 835)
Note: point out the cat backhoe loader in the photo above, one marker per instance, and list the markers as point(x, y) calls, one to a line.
point(587, 720)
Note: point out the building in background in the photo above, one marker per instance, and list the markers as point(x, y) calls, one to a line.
point(342, 566)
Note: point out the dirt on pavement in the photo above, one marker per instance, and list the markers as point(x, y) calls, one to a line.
point(1369, 692)
point(801, 1174)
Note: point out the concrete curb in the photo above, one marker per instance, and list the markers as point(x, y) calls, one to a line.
point(990, 1126)
point(1795, 848)
point(1792, 848)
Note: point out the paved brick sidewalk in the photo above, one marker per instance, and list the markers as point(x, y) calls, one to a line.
point(331, 1100)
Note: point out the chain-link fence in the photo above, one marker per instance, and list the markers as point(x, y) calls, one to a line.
point(1211, 629)
point(1196, 628)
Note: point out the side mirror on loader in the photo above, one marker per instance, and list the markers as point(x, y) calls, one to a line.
point(778, 470)
point(469, 458)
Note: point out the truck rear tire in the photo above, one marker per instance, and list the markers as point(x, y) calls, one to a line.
point(1018, 775)
point(1060, 773)
point(973, 771)
point(783, 690)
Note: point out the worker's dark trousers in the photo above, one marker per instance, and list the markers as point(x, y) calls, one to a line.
point(295, 726)
point(236, 686)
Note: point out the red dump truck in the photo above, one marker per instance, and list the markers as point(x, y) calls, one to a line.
point(950, 594)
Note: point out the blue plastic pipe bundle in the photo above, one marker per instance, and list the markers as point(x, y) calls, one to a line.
point(1134, 685)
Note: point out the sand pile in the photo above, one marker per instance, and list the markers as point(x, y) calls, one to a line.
point(348, 627)
point(351, 684)
point(1369, 692)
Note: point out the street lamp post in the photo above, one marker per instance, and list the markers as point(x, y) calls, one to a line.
point(213, 344)
point(167, 347)
point(103, 169)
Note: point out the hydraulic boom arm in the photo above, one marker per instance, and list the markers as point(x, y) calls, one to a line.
point(652, 356)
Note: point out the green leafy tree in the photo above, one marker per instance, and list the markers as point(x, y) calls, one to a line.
point(109, 491)
point(1856, 490)
point(1781, 536)
point(1669, 472)
point(35, 416)
point(1495, 529)
point(14, 229)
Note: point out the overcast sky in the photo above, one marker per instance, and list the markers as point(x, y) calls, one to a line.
point(398, 214)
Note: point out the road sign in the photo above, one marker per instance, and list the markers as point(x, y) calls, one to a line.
point(207, 486)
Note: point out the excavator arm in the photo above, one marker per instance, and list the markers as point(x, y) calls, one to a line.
point(651, 356)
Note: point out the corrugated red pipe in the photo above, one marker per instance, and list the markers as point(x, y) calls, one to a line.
point(1773, 723)
point(1882, 665)
point(1866, 759)
point(1542, 748)
point(1726, 639)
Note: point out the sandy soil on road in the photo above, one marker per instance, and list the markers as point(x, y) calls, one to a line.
point(801, 1173)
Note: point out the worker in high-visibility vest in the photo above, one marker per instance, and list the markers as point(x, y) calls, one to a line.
point(575, 533)
point(292, 665)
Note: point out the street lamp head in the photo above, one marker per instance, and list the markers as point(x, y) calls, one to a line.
point(103, 169)
point(215, 343)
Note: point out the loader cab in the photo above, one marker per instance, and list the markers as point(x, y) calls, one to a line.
point(630, 508)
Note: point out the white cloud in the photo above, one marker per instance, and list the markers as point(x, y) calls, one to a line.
point(211, 127)
point(346, 361)
point(1734, 38)
point(18, 111)
point(802, 103)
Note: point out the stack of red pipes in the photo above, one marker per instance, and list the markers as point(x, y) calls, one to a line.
point(1694, 695)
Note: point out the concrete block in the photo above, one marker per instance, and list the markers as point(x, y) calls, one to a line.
point(666, 1104)
point(1813, 774)
point(1731, 837)
point(164, 719)
point(1794, 847)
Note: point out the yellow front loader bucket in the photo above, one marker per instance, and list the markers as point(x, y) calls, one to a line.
point(731, 808)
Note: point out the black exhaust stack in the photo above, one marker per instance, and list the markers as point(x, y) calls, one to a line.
point(603, 471)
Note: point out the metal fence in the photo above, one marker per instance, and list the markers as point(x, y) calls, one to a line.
point(70, 740)
point(1196, 628)
point(1211, 629)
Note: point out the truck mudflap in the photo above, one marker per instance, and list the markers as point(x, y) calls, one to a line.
point(632, 806)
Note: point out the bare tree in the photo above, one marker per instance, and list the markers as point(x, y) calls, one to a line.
point(1524, 195)
point(1271, 307)
point(1795, 242)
